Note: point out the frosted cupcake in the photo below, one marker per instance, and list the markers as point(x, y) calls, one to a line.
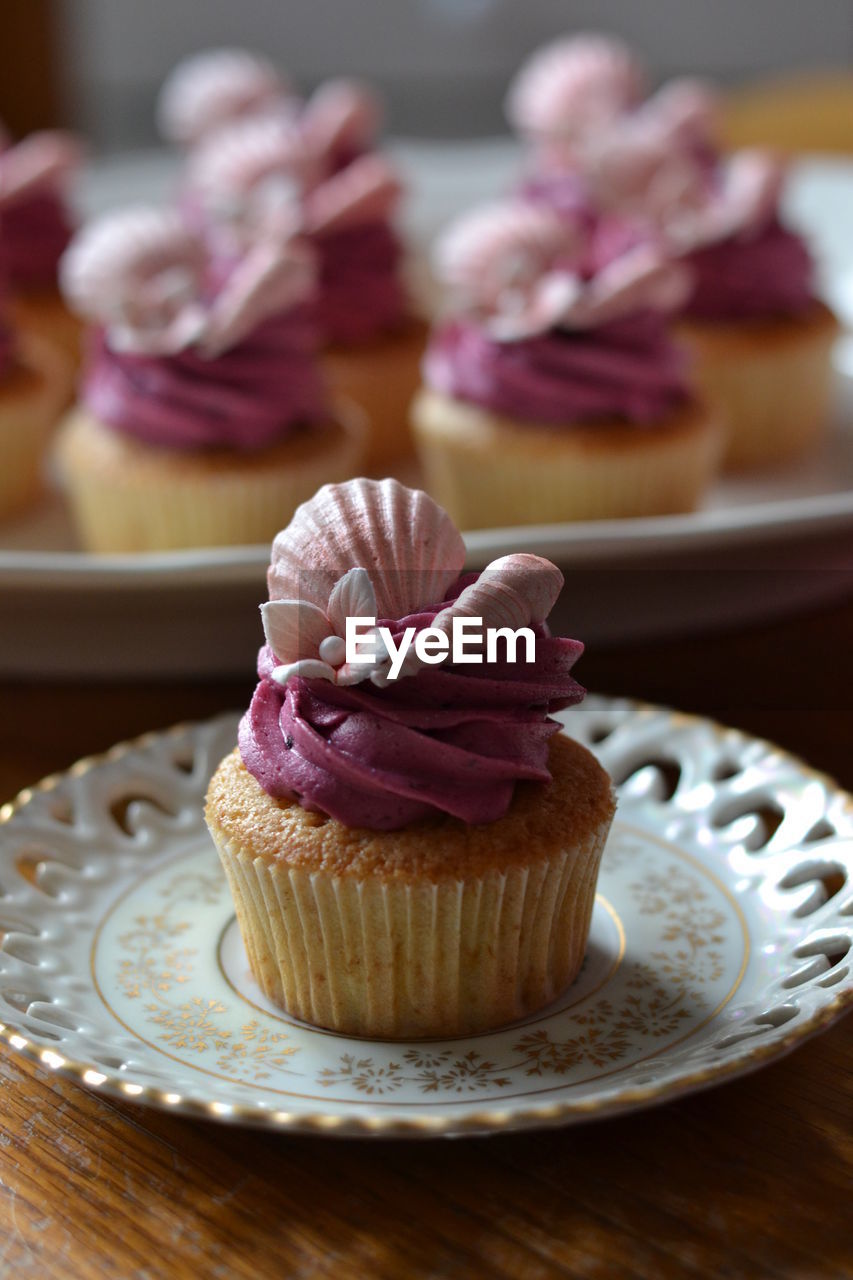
point(322, 175)
point(413, 856)
point(554, 391)
point(32, 386)
point(203, 416)
point(761, 340)
point(36, 226)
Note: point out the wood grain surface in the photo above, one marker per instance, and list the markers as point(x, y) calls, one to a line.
point(751, 1179)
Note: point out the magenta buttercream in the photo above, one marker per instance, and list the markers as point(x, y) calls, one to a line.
point(360, 291)
point(34, 233)
point(446, 740)
point(763, 275)
point(629, 369)
point(249, 397)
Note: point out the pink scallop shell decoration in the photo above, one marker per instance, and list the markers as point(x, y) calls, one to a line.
point(502, 247)
point(340, 116)
point(137, 271)
point(41, 162)
point(409, 546)
point(211, 89)
point(366, 191)
point(574, 85)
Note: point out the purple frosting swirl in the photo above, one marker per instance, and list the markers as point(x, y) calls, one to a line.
point(247, 398)
point(34, 232)
point(768, 274)
point(444, 741)
point(629, 369)
point(360, 292)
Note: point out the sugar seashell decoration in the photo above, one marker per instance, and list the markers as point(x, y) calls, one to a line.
point(211, 89)
point(408, 544)
point(341, 116)
point(573, 87)
point(520, 270)
point(141, 274)
point(377, 549)
point(41, 162)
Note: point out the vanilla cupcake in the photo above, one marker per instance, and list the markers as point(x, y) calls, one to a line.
point(321, 174)
point(203, 416)
point(554, 391)
point(32, 387)
point(413, 856)
point(36, 225)
point(761, 340)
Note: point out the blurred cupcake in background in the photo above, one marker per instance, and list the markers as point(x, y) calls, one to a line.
point(203, 416)
point(32, 388)
point(36, 224)
point(554, 390)
point(321, 176)
point(761, 340)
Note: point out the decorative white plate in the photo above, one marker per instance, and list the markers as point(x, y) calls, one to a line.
point(721, 938)
point(144, 606)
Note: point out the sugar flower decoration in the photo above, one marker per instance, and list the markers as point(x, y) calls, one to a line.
point(520, 269)
point(143, 276)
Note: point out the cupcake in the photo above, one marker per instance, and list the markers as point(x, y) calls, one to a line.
point(323, 175)
point(409, 855)
point(36, 226)
point(553, 391)
point(760, 338)
point(203, 416)
point(31, 396)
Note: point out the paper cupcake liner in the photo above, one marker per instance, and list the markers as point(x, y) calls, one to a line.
point(383, 957)
point(125, 497)
point(381, 377)
point(487, 471)
point(773, 397)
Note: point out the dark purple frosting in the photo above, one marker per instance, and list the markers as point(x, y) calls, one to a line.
point(360, 292)
point(629, 369)
point(247, 398)
point(447, 740)
point(34, 233)
point(766, 274)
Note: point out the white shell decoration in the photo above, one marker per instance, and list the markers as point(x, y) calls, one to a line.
point(513, 591)
point(409, 546)
point(210, 89)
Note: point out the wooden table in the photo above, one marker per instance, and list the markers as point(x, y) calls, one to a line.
point(749, 1180)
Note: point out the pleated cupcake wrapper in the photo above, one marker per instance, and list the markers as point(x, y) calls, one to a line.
point(483, 483)
point(117, 509)
point(25, 427)
point(773, 404)
point(375, 957)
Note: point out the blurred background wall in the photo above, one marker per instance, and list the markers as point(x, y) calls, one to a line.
point(443, 64)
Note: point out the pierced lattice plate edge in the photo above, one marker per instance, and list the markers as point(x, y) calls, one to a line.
point(751, 815)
